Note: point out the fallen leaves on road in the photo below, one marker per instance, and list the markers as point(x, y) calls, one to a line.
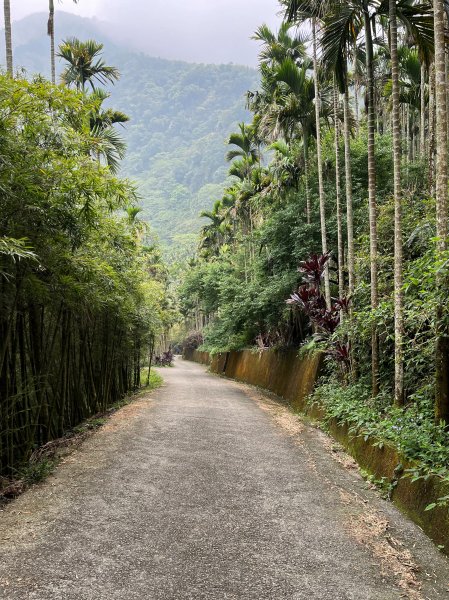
point(367, 526)
point(370, 529)
point(281, 414)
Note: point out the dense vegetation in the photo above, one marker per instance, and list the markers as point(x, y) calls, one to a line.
point(82, 296)
point(179, 113)
point(351, 117)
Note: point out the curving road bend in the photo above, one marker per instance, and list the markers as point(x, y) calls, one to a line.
point(208, 489)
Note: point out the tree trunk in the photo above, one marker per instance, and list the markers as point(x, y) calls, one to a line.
point(398, 266)
point(327, 290)
point(349, 208)
point(431, 174)
point(410, 135)
point(341, 283)
point(306, 178)
point(422, 128)
point(356, 106)
point(372, 197)
point(8, 36)
point(442, 345)
point(51, 33)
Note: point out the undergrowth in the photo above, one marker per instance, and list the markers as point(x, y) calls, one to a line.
point(411, 429)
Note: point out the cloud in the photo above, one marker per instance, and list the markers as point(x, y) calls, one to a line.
point(195, 30)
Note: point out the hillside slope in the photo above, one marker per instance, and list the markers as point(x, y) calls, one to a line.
point(181, 113)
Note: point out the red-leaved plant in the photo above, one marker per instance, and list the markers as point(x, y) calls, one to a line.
point(310, 299)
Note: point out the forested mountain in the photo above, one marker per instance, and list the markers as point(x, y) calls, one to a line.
point(180, 115)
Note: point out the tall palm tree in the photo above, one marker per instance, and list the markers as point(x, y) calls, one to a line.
point(422, 124)
point(247, 151)
point(372, 208)
point(398, 266)
point(107, 142)
point(278, 47)
point(411, 94)
point(8, 36)
point(341, 29)
point(431, 147)
point(84, 65)
point(213, 234)
point(327, 290)
point(340, 250)
point(295, 105)
point(278, 117)
point(442, 347)
point(51, 33)
point(245, 147)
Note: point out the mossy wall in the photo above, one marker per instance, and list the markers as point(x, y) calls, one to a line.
point(411, 497)
point(293, 378)
point(194, 355)
point(281, 372)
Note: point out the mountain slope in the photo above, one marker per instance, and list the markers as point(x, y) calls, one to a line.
point(181, 113)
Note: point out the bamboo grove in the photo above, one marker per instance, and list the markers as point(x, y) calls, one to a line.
point(82, 294)
point(346, 157)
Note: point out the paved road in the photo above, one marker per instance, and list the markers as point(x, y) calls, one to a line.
point(208, 490)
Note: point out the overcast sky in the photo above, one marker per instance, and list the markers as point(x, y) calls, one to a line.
point(194, 30)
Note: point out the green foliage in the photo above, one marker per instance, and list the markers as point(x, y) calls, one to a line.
point(410, 430)
point(156, 379)
point(180, 114)
point(35, 472)
point(84, 65)
point(81, 295)
point(268, 220)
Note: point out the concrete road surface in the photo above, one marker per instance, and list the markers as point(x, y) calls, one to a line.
point(208, 489)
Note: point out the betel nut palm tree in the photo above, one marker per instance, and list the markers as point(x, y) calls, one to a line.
point(84, 65)
point(51, 33)
point(442, 345)
point(8, 36)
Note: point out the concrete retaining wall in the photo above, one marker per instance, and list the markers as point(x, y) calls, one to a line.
point(281, 372)
point(292, 378)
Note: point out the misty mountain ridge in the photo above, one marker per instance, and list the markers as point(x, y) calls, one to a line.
point(181, 114)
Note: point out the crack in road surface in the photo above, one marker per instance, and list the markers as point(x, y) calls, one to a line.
point(208, 489)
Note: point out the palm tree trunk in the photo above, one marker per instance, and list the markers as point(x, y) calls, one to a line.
point(8, 36)
point(422, 128)
point(372, 197)
point(398, 260)
point(327, 290)
point(410, 134)
point(51, 33)
point(432, 129)
point(356, 91)
point(341, 283)
point(442, 344)
point(306, 178)
point(348, 178)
